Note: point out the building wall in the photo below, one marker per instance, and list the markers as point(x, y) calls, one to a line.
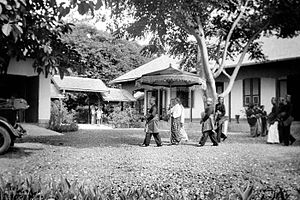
point(268, 90)
point(237, 99)
point(24, 68)
point(44, 99)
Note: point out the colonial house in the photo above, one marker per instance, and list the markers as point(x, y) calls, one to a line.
point(256, 82)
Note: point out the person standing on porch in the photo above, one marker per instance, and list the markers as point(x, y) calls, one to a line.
point(220, 119)
point(175, 113)
point(99, 114)
point(252, 120)
point(152, 125)
point(207, 121)
point(263, 117)
point(93, 114)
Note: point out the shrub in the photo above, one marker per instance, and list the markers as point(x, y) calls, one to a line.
point(36, 189)
point(61, 120)
point(129, 117)
point(82, 114)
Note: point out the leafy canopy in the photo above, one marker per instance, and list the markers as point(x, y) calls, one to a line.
point(220, 30)
point(31, 29)
point(103, 56)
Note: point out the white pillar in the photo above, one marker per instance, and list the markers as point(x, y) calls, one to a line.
point(44, 100)
point(145, 102)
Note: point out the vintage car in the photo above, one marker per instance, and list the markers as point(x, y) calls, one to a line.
point(9, 129)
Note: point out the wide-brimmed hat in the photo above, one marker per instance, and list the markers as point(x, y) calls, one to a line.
point(209, 100)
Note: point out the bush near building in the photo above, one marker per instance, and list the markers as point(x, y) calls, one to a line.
point(61, 120)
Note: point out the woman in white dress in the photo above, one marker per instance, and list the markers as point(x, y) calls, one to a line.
point(273, 135)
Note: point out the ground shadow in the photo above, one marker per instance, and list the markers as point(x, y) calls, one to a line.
point(19, 152)
point(89, 138)
point(131, 137)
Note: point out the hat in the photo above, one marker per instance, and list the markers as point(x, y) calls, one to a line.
point(209, 100)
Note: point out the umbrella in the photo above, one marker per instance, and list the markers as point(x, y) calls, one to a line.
point(171, 77)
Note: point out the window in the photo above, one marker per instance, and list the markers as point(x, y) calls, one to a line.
point(183, 94)
point(219, 87)
point(251, 91)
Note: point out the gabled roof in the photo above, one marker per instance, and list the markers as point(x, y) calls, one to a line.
point(78, 84)
point(54, 93)
point(159, 63)
point(117, 95)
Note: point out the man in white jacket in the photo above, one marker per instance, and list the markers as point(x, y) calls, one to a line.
point(175, 113)
point(184, 136)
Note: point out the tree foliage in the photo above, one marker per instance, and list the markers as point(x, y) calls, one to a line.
point(221, 30)
point(104, 56)
point(31, 29)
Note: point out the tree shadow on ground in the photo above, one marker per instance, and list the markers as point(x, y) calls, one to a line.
point(130, 137)
point(19, 152)
point(89, 138)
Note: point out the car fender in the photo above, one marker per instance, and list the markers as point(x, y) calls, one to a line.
point(13, 132)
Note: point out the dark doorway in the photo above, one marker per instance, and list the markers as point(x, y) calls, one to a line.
point(292, 89)
point(32, 95)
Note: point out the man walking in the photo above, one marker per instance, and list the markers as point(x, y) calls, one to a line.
point(220, 119)
point(152, 125)
point(208, 124)
point(286, 121)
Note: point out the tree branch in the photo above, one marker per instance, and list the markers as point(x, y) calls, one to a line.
point(226, 74)
point(236, 21)
point(238, 65)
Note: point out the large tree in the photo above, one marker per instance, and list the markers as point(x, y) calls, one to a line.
point(103, 56)
point(220, 30)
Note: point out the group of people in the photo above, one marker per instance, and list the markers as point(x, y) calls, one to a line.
point(280, 120)
point(257, 119)
point(213, 123)
point(276, 124)
point(96, 114)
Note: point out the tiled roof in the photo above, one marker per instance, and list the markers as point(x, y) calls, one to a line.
point(160, 63)
point(70, 83)
point(117, 95)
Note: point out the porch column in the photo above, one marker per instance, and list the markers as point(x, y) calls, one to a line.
point(190, 103)
point(145, 101)
point(158, 103)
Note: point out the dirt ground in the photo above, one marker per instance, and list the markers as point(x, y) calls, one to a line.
point(114, 158)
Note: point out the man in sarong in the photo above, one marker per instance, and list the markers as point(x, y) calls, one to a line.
point(286, 119)
point(207, 122)
point(220, 119)
point(175, 123)
point(152, 125)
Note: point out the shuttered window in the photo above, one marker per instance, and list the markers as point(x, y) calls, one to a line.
point(251, 91)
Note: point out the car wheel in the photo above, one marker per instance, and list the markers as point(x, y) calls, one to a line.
point(5, 140)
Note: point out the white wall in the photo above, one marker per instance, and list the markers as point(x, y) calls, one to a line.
point(44, 99)
point(237, 99)
point(22, 67)
point(268, 90)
